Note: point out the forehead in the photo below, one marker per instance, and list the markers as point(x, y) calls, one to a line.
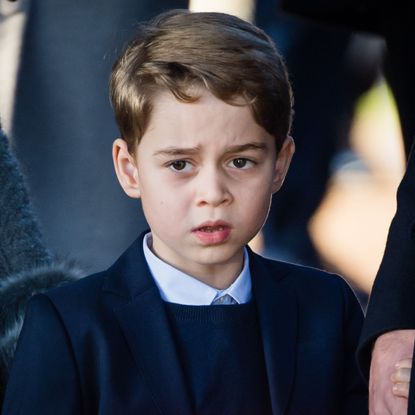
point(207, 120)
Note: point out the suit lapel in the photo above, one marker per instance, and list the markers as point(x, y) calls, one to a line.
point(277, 309)
point(144, 323)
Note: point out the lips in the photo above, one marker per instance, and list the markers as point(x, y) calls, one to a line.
point(212, 233)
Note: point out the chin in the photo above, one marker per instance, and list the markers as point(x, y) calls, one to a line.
point(218, 254)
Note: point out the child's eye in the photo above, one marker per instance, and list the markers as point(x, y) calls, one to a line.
point(241, 163)
point(180, 165)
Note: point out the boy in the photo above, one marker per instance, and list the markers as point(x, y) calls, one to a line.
point(189, 320)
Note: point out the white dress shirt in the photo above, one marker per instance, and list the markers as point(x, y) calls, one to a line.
point(178, 287)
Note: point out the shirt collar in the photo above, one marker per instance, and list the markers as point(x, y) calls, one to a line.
point(178, 287)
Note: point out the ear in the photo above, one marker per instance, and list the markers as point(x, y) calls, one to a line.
point(282, 163)
point(125, 168)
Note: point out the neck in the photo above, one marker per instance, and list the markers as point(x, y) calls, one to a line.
point(219, 276)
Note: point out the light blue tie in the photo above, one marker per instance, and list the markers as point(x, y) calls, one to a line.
point(224, 300)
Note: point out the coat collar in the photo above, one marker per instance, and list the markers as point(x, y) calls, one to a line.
point(143, 320)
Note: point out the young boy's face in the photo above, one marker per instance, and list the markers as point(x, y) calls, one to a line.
point(205, 173)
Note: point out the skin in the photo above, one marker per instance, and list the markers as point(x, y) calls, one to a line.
point(401, 378)
point(206, 162)
point(386, 391)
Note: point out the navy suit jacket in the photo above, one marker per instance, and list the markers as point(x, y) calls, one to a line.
point(104, 345)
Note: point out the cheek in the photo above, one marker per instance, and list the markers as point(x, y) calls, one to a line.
point(256, 192)
point(256, 205)
point(165, 210)
point(262, 208)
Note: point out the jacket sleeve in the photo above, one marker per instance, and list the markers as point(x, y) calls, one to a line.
point(44, 379)
point(355, 389)
point(391, 305)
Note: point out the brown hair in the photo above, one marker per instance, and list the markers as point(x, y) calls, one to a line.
point(179, 50)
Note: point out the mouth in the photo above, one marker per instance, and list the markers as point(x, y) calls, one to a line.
point(211, 228)
point(212, 233)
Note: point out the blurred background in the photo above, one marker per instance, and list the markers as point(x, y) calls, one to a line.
point(335, 208)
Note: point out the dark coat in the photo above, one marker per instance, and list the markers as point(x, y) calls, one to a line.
point(104, 345)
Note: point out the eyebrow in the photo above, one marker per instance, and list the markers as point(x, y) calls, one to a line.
point(246, 147)
point(175, 151)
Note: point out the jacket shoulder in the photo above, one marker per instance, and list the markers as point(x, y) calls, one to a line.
point(308, 282)
point(89, 282)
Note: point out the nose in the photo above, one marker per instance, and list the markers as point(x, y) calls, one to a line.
point(212, 188)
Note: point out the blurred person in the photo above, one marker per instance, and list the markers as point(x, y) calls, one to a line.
point(327, 81)
point(61, 106)
point(388, 334)
point(189, 319)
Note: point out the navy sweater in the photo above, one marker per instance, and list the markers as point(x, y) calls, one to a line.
point(221, 350)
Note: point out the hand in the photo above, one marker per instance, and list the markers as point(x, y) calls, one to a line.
point(401, 378)
point(389, 349)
